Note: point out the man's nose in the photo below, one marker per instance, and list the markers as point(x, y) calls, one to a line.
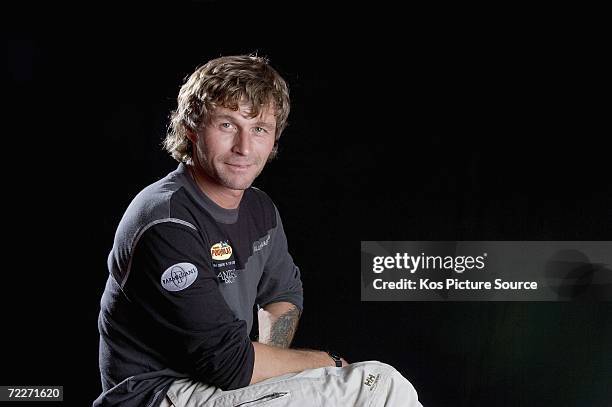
point(242, 142)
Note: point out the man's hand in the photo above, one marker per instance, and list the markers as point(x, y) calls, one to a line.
point(272, 361)
point(277, 324)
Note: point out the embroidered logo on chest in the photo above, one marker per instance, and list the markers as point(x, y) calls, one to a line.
point(221, 251)
point(260, 244)
point(228, 276)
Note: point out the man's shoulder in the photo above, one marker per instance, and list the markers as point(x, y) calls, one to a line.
point(261, 201)
point(259, 195)
point(261, 208)
point(154, 201)
point(165, 199)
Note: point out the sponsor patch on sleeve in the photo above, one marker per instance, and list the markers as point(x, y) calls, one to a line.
point(179, 276)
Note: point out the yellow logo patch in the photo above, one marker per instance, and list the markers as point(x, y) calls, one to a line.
point(221, 251)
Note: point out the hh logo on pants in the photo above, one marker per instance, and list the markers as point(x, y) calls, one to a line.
point(371, 381)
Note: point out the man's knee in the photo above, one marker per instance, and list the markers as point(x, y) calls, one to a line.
point(375, 365)
point(395, 386)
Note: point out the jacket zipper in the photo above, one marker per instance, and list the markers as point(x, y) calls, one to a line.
point(267, 397)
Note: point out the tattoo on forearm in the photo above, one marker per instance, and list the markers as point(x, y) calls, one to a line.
point(283, 329)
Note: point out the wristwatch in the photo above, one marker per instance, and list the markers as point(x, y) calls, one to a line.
point(337, 359)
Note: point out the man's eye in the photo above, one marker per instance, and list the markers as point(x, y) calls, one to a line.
point(260, 130)
point(226, 125)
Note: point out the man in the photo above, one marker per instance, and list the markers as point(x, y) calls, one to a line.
point(194, 254)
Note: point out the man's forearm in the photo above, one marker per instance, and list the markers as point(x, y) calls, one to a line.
point(272, 361)
point(278, 323)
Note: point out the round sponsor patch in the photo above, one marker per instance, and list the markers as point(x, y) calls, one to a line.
point(179, 276)
point(221, 251)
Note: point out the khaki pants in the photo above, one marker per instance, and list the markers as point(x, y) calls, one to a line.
point(367, 384)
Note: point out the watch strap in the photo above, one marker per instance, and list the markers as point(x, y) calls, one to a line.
point(337, 359)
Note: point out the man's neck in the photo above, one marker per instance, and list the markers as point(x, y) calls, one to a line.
point(222, 196)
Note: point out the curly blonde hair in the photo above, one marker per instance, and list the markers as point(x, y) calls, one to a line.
point(227, 82)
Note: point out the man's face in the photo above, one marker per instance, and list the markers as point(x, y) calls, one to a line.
point(232, 149)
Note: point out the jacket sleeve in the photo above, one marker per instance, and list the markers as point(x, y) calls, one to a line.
point(281, 277)
point(187, 319)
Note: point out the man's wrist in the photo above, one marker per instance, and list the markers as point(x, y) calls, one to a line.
point(335, 357)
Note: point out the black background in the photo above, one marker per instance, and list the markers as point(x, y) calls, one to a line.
point(430, 131)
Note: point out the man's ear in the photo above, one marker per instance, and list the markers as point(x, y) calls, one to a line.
point(192, 136)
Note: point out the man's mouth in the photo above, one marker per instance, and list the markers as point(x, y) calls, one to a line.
point(239, 166)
